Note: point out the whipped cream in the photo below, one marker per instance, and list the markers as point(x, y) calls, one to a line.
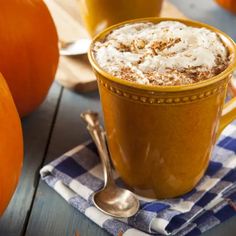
point(167, 53)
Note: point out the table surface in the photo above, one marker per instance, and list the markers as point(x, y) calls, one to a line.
point(56, 127)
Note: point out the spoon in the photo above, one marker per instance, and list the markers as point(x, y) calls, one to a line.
point(112, 200)
point(74, 48)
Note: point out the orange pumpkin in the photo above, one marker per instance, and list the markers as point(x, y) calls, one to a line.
point(229, 5)
point(11, 145)
point(28, 51)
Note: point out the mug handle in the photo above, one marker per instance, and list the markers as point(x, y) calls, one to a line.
point(228, 115)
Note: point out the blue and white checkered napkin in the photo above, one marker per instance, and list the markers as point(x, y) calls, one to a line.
point(78, 173)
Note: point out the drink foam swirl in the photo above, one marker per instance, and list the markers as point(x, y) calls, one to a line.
point(167, 53)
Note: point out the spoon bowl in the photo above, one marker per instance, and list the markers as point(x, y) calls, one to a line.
point(117, 202)
point(74, 48)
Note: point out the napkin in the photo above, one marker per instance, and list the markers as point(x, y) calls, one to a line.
point(77, 174)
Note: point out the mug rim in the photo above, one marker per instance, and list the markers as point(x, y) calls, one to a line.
point(227, 40)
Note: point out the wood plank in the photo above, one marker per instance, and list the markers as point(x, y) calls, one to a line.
point(36, 129)
point(71, 7)
point(51, 215)
point(67, 20)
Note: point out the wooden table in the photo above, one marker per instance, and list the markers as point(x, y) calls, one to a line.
point(36, 210)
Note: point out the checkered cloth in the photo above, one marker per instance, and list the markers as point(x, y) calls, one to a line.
point(78, 173)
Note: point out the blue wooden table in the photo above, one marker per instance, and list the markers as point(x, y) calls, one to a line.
point(56, 127)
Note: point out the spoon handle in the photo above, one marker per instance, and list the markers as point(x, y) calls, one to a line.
point(98, 135)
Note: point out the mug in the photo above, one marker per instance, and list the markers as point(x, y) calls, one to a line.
point(99, 14)
point(161, 137)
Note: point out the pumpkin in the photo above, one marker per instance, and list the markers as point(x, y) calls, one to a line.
point(229, 5)
point(11, 145)
point(28, 51)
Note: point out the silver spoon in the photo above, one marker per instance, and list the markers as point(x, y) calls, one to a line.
point(112, 200)
point(74, 48)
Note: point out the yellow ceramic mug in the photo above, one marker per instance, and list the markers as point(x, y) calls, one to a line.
point(160, 138)
point(99, 14)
